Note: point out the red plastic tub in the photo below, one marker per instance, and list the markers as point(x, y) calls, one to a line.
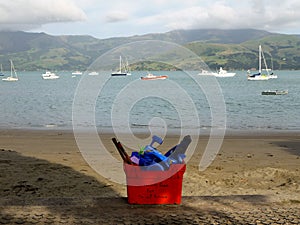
point(154, 187)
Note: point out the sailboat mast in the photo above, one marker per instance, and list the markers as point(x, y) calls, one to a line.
point(11, 68)
point(265, 62)
point(259, 60)
point(120, 64)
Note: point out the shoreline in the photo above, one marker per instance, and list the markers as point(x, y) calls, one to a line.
point(51, 162)
point(107, 131)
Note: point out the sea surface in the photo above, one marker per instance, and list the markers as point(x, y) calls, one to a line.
point(185, 100)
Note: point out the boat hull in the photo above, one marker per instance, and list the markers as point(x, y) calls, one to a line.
point(258, 78)
point(155, 78)
point(119, 74)
point(10, 79)
point(274, 92)
point(225, 75)
point(50, 78)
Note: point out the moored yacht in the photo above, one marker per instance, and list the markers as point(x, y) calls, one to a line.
point(49, 76)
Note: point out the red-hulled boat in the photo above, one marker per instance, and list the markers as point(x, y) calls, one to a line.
point(150, 76)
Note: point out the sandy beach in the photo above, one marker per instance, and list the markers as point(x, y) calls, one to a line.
point(44, 178)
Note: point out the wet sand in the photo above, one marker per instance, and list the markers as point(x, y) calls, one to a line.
point(43, 173)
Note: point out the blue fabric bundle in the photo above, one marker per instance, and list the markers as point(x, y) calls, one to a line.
point(151, 159)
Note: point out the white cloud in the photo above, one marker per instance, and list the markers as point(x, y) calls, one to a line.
point(116, 16)
point(33, 13)
point(260, 14)
point(104, 18)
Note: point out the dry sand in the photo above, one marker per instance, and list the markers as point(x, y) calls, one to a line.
point(37, 167)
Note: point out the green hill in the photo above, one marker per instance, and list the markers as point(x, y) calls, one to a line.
point(232, 49)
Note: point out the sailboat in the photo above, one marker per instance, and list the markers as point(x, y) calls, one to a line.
point(263, 74)
point(1, 72)
point(120, 72)
point(13, 75)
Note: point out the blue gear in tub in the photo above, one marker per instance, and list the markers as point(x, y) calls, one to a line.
point(151, 159)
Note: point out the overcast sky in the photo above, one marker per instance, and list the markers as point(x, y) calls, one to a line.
point(104, 18)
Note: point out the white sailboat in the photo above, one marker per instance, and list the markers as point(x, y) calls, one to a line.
point(263, 74)
point(13, 74)
point(123, 69)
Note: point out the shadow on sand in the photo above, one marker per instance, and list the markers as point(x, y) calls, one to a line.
point(38, 191)
point(293, 146)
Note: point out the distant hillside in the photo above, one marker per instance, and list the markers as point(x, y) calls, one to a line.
point(232, 49)
point(216, 36)
point(281, 52)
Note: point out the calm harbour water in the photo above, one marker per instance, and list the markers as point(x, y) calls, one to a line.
point(34, 103)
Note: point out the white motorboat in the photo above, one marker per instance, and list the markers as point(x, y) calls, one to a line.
point(93, 73)
point(49, 76)
point(77, 72)
point(223, 73)
point(220, 73)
